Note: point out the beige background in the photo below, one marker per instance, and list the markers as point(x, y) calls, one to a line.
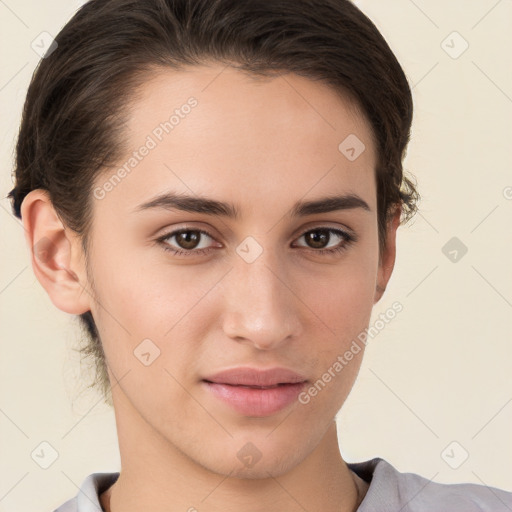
point(439, 372)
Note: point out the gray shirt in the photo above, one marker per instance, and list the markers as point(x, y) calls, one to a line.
point(389, 491)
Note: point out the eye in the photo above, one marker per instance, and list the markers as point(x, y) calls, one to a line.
point(320, 238)
point(188, 242)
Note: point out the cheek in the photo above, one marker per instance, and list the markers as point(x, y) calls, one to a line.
point(139, 290)
point(343, 305)
point(151, 308)
point(148, 338)
point(343, 297)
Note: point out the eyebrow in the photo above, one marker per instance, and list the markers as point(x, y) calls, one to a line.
point(195, 204)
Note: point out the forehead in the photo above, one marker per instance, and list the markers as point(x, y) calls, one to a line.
point(217, 131)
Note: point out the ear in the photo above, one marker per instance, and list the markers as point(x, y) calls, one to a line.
point(56, 254)
point(387, 259)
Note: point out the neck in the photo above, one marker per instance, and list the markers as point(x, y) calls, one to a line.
point(155, 475)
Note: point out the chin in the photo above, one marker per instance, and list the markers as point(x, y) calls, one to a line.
point(258, 456)
point(273, 466)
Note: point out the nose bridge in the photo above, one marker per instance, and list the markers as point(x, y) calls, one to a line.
point(259, 306)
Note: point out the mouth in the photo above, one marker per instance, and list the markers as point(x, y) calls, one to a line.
point(255, 377)
point(254, 400)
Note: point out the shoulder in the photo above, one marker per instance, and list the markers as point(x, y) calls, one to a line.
point(392, 490)
point(87, 499)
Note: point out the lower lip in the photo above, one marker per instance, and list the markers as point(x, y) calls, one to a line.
point(254, 401)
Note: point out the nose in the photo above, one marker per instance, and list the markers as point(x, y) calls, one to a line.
point(260, 306)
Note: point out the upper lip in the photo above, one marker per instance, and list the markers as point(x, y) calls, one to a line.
point(245, 376)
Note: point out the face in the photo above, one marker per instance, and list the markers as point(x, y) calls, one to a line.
point(264, 280)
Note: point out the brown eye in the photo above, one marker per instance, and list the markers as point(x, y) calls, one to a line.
point(318, 238)
point(187, 242)
point(188, 239)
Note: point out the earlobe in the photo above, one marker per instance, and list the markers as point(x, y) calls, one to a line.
point(387, 262)
point(55, 254)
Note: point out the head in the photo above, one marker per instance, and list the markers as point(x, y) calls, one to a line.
point(261, 106)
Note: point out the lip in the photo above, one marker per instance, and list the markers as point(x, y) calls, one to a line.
point(246, 376)
point(254, 392)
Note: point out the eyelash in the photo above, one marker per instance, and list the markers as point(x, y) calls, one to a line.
point(349, 239)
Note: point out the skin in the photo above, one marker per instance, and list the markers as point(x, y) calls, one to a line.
point(263, 145)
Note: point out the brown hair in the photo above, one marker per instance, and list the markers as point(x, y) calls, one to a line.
point(76, 102)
